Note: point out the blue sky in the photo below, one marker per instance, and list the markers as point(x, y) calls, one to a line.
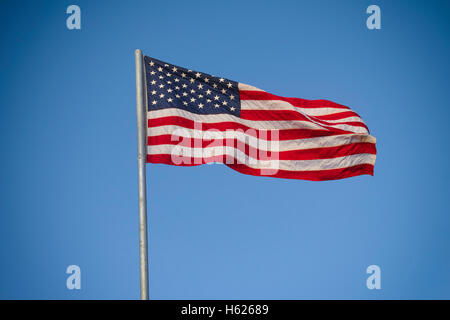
point(68, 166)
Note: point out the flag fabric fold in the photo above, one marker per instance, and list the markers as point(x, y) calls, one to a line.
point(196, 118)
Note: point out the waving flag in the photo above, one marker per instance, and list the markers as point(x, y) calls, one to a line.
point(196, 118)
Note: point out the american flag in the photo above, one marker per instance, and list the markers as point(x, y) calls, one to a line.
point(196, 118)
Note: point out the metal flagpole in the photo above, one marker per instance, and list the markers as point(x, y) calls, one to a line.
point(141, 112)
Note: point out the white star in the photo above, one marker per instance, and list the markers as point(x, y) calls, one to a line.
point(174, 69)
point(154, 102)
point(214, 85)
point(221, 80)
point(223, 91)
point(160, 69)
point(216, 98)
point(200, 86)
point(169, 90)
point(153, 82)
point(177, 87)
point(169, 82)
point(200, 105)
point(161, 95)
point(177, 80)
point(197, 75)
point(206, 79)
point(231, 97)
point(152, 72)
point(169, 100)
point(184, 85)
point(185, 94)
point(192, 91)
point(208, 91)
point(161, 86)
point(200, 96)
point(177, 95)
point(161, 77)
point(216, 105)
point(208, 100)
point(192, 80)
point(168, 74)
point(185, 103)
point(224, 103)
point(183, 75)
point(232, 108)
point(229, 84)
point(154, 92)
point(192, 99)
point(166, 65)
point(151, 63)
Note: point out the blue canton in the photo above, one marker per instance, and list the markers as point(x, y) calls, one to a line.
point(170, 86)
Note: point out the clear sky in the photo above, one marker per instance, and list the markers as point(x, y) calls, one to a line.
point(69, 172)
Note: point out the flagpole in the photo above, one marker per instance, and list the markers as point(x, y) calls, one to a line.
point(141, 158)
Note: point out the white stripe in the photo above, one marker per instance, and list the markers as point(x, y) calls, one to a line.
point(250, 138)
point(291, 165)
point(348, 119)
point(243, 86)
point(213, 118)
point(284, 105)
point(267, 125)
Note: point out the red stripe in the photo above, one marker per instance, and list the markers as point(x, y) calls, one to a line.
point(286, 115)
point(329, 152)
point(303, 154)
point(319, 175)
point(316, 175)
point(297, 102)
point(284, 134)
